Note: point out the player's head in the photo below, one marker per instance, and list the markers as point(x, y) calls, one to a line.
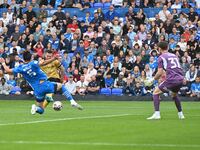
point(163, 46)
point(48, 54)
point(27, 56)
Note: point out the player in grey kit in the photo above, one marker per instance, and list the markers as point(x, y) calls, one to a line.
point(174, 79)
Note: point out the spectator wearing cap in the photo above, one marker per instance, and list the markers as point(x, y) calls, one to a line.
point(93, 86)
point(179, 28)
point(71, 85)
point(111, 14)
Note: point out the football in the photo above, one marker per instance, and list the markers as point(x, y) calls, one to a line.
point(57, 105)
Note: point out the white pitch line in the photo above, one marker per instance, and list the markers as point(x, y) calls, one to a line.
point(101, 144)
point(64, 119)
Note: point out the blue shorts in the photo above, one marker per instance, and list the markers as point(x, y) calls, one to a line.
point(43, 89)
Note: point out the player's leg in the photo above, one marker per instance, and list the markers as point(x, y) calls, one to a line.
point(68, 96)
point(156, 102)
point(48, 99)
point(178, 105)
point(37, 108)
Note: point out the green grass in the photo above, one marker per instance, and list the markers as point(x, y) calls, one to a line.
point(101, 126)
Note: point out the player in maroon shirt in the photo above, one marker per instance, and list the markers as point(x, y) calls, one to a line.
point(174, 78)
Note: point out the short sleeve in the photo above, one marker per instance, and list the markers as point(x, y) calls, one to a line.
point(17, 70)
point(160, 62)
point(57, 63)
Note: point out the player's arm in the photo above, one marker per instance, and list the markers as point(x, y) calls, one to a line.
point(7, 69)
point(158, 74)
point(43, 62)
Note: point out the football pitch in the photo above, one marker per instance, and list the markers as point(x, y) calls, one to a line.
point(102, 125)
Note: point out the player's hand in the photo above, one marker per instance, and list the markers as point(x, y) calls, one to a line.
point(151, 80)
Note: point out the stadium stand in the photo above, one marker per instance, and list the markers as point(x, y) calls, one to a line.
point(114, 38)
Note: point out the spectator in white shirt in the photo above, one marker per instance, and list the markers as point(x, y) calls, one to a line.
point(9, 14)
point(91, 70)
point(176, 5)
point(117, 3)
point(163, 14)
point(71, 85)
point(4, 87)
point(81, 85)
point(5, 19)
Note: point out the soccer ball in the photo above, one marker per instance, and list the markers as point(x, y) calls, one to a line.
point(57, 106)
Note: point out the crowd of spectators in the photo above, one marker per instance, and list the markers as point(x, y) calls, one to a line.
point(102, 50)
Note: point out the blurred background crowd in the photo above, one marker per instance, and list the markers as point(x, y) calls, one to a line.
point(103, 52)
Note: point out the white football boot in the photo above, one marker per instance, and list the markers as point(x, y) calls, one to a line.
point(155, 116)
point(180, 115)
point(33, 109)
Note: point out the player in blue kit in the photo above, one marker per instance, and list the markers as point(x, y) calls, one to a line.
point(38, 81)
point(174, 79)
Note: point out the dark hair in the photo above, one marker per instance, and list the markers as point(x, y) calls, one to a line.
point(163, 45)
point(49, 51)
point(27, 56)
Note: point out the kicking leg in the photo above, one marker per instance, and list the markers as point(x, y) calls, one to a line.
point(37, 108)
point(48, 99)
point(178, 105)
point(156, 102)
point(68, 96)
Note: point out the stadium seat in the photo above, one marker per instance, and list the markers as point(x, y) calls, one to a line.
point(105, 91)
point(117, 91)
point(97, 5)
point(106, 5)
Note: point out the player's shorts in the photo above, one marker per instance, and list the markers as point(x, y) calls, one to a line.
point(168, 85)
point(43, 89)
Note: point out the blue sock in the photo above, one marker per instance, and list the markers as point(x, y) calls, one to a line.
point(40, 110)
point(66, 93)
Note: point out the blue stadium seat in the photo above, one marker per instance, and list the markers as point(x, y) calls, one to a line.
point(106, 5)
point(97, 5)
point(105, 91)
point(117, 91)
